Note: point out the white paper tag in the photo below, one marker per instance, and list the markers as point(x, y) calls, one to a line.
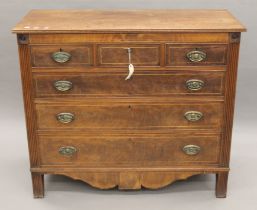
point(131, 71)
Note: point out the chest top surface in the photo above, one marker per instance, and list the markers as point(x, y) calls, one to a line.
point(100, 21)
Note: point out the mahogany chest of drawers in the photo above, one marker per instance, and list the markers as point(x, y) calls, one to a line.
point(129, 98)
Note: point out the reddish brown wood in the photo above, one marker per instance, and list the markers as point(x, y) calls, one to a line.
point(41, 56)
point(29, 106)
point(113, 84)
point(230, 91)
point(38, 184)
point(128, 21)
point(129, 134)
point(128, 180)
point(124, 151)
point(216, 54)
point(206, 169)
point(221, 184)
point(141, 37)
point(117, 55)
point(128, 115)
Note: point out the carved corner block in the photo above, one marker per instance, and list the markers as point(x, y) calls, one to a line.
point(23, 38)
point(235, 37)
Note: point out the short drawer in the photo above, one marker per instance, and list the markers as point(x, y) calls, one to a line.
point(61, 55)
point(148, 151)
point(118, 54)
point(141, 84)
point(130, 115)
point(197, 54)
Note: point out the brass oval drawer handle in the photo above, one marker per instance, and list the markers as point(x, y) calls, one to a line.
point(65, 117)
point(196, 56)
point(191, 149)
point(193, 116)
point(194, 84)
point(63, 85)
point(61, 57)
point(67, 150)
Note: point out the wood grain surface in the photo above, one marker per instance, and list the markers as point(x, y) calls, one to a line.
point(82, 21)
point(129, 115)
point(41, 56)
point(129, 134)
point(113, 84)
point(129, 151)
point(215, 54)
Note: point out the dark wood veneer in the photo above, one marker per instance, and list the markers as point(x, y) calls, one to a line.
point(96, 84)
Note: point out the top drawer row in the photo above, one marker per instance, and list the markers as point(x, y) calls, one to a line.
point(117, 55)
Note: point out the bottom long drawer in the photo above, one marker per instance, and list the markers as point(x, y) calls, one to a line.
point(140, 151)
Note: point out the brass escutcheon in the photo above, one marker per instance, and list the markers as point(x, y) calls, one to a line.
point(193, 116)
point(194, 84)
point(63, 85)
point(191, 149)
point(196, 56)
point(67, 150)
point(65, 117)
point(61, 57)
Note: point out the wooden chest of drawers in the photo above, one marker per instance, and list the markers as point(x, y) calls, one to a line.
point(170, 119)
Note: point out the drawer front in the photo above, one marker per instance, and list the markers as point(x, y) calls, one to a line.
point(128, 151)
point(114, 115)
point(118, 55)
point(61, 56)
point(198, 54)
point(110, 84)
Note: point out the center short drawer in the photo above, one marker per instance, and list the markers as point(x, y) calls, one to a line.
point(130, 115)
point(118, 54)
point(141, 84)
point(118, 151)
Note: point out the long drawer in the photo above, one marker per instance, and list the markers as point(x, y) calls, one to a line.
point(130, 115)
point(141, 84)
point(140, 151)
